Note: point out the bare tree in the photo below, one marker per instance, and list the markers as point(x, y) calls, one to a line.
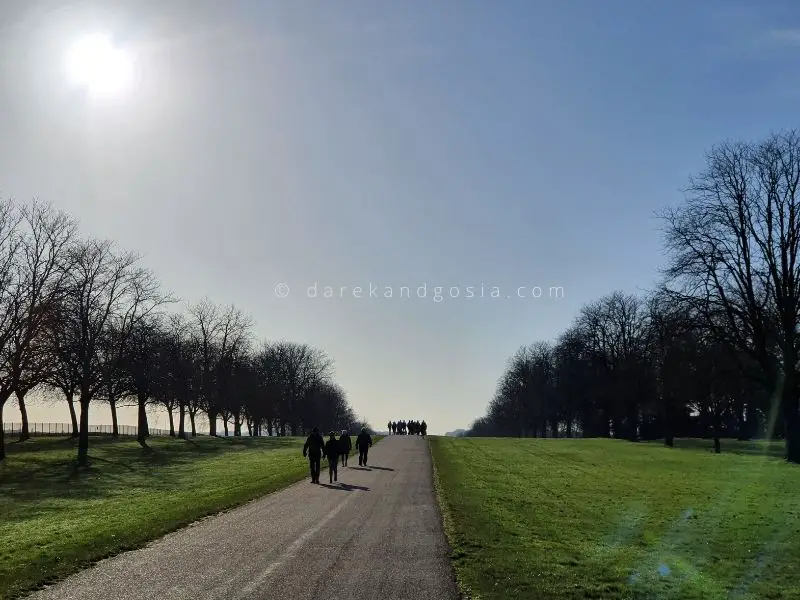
point(41, 268)
point(735, 246)
point(220, 334)
point(107, 291)
point(10, 247)
point(142, 361)
point(174, 371)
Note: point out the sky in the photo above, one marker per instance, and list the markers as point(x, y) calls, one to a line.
point(273, 145)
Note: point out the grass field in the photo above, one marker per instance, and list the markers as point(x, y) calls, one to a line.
point(56, 519)
point(558, 519)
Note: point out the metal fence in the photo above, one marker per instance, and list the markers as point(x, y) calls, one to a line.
point(61, 429)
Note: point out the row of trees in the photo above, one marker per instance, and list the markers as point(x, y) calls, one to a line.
point(713, 351)
point(82, 318)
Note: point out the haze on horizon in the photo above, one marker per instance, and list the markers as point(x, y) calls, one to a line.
point(359, 143)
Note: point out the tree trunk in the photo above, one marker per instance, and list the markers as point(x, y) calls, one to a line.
point(112, 402)
point(191, 422)
point(669, 440)
point(83, 437)
point(74, 418)
point(2, 432)
point(791, 423)
point(212, 422)
point(269, 427)
point(249, 428)
point(171, 422)
point(144, 432)
point(25, 434)
point(225, 426)
point(181, 418)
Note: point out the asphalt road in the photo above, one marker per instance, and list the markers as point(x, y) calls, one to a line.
point(375, 534)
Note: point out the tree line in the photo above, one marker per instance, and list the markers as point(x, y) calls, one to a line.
point(85, 319)
point(712, 351)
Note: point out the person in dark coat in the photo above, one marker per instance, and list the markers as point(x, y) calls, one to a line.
point(345, 446)
point(332, 453)
point(424, 428)
point(314, 448)
point(363, 444)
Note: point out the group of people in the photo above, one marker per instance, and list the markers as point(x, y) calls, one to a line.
point(316, 448)
point(410, 427)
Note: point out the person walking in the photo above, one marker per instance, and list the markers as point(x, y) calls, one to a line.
point(314, 448)
point(345, 446)
point(363, 444)
point(332, 453)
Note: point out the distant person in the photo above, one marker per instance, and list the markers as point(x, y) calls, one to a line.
point(314, 448)
point(394, 428)
point(332, 453)
point(345, 446)
point(424, 428)
point(363, 444)
point(389, 427)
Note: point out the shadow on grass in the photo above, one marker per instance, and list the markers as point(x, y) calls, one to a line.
point(43, 469)
point(771, 448)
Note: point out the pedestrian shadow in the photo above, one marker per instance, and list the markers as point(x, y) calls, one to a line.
point(360, 468)
point(344, 487)
point(383, 468)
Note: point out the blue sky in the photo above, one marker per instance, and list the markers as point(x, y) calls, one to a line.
point(396, 143)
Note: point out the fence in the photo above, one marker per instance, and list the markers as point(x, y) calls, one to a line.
point(61, 429)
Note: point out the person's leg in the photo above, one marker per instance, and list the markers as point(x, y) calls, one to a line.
point(311, 467)
point(366, 453)
point(335, 471)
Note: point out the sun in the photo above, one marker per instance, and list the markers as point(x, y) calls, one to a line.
point(101, 69)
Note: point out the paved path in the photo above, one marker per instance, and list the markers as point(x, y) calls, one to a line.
point(375, 534)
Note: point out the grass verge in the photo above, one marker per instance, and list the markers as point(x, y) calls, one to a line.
point(57, 519)
point(570, 519)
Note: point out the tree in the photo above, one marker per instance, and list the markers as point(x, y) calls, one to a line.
point(734, 255)
point(221, 334)
point(10, 244)
point(106, 291)
point(300, 367)
point(39, 272)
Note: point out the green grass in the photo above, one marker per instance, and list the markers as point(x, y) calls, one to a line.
point(558, 519)
point(57, 519)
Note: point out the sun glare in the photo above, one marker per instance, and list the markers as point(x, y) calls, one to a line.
point(101, 69)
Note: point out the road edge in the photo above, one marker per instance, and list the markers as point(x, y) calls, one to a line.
point(464, 590)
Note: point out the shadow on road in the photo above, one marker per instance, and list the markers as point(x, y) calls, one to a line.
point(383, 468)
point(344, 487)
point(360, 468)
